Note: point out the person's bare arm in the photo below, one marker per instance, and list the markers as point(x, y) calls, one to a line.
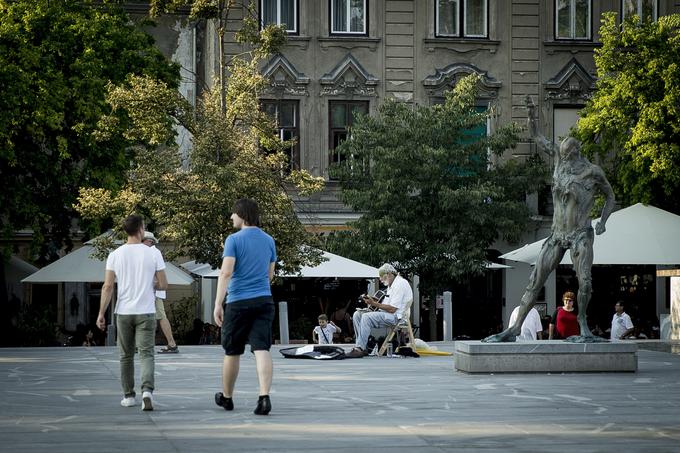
point(226, 271)
point(105, 298)
point(337, 329)
point(374, 303)
point(272, 266)
point(551, 330)
point(161, 283)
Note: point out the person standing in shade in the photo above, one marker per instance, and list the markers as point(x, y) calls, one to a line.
point(139, 272)
point(532, 328)
point(622, 326)
point(248, 313)
point(564, 323)
point(151, 241)
point(323, 333)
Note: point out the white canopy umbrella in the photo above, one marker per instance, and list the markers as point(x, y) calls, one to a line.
point(334, 266)
point(638, 234)
point(79, 266)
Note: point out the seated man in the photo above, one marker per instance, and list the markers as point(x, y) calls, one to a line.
point(389, 313)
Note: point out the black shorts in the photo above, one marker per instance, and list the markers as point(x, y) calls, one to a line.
point(248, 321)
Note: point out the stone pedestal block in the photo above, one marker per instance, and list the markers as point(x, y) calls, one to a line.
point(554, 356)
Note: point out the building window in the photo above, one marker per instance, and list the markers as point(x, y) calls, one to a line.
point(572, 19)
point(461, 18)
point(644, 9)
point(349, 17)
point(285, 112)
point(280, 12)
point(341, 116)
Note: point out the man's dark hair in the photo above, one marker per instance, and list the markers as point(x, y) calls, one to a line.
point(247, 209)
point(132, 224)
point(323, 318)
point(620, 302)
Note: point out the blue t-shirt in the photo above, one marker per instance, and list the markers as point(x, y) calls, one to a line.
point(254, 251)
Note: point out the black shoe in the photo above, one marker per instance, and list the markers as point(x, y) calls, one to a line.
point(226, 403)
point(264, 405)
point(356, 353)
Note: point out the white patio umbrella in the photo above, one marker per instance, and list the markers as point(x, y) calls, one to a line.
point(79, 266)
point(334, 266)
point(638, 234)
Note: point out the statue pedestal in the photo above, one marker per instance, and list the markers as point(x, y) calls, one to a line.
point(553, 356)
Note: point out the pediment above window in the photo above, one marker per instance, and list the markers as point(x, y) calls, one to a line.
point(571, 84)
point(444, 79)
point(284, 78)
point(348, 78)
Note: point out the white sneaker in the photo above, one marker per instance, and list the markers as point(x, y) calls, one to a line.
point(147, 401)
point(128, 401)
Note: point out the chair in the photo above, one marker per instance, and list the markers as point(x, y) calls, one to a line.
point(403, 324)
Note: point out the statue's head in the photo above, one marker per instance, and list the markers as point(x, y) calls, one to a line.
point(570, 148)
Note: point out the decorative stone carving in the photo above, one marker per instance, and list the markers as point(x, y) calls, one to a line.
point(445, 79)
point(284, 78)
point(571, 84)
point(348, 78)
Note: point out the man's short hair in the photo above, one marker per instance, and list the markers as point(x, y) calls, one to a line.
point(132, 224)
point(323, 318)
point(387, 268)
point(620, 302)
point(248, 210)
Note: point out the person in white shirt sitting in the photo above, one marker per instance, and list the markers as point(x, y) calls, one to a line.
point(531, 327)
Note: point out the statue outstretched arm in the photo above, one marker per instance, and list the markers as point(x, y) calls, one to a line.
point(609, 202)
point(532, 125)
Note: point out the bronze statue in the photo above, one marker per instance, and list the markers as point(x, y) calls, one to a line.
point(576, 181)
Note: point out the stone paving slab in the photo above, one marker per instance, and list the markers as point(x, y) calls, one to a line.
point(67, 400)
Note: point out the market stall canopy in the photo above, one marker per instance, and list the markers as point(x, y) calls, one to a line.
point(335, 266)
point(638, 234)
point(79, 266)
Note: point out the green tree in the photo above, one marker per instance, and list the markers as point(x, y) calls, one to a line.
point(189, 198)
point(56, 59)
point(431, 199)
point(632, 123)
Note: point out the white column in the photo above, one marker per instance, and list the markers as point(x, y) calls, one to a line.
point(448, 317)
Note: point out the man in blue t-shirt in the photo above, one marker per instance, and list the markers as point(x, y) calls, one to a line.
point(248, 312)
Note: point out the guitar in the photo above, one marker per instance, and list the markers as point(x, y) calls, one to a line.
point(378, 296)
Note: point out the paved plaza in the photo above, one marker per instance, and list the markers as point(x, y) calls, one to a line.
point(68, 400)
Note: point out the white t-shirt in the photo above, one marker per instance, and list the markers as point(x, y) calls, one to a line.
point(328, 330)
point(530, 326)
point(398, 295)
point(135, 266)
point(619, 325)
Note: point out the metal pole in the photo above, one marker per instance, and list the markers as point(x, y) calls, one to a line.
point(415, 307)
point(283, 322)
point(448, 317)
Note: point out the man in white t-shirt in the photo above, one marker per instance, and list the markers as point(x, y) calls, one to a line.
point(531, 325)
point(139, 271)
point(622, 326)
point(390, 311)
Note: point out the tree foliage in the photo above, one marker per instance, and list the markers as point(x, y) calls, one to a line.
point(632, 123)
point(189, 198)
point(56, 59)
point(431, 200)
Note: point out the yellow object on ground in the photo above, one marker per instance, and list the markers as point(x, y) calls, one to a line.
point(432, 352)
